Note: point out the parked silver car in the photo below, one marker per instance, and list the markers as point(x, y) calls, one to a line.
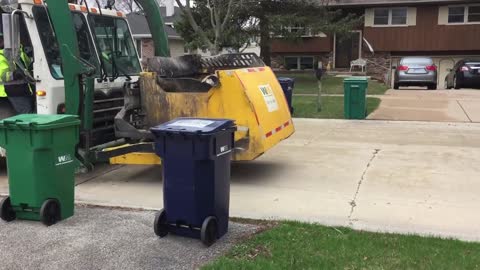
point(416, 71)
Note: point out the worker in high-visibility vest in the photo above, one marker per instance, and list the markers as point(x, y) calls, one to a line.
point(13, 84)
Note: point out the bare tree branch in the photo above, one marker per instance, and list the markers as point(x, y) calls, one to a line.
point(228, 14)
point(210, 8)
point(188, 12)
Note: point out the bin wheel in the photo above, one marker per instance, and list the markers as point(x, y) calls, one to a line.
point(50, 212)
point(160, 225)
point(208, 234)
point(6, 210)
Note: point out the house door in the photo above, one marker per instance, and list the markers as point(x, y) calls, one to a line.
point(347, 48)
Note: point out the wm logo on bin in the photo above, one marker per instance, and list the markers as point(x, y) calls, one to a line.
point(62, 160)
point(265, 89)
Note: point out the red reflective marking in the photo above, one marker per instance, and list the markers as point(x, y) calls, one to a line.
point(269, 134)
point(261, 69)
point(286, 124)
point(278, 129)
point(251, 70)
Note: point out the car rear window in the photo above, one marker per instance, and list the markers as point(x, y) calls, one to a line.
point(417, 61)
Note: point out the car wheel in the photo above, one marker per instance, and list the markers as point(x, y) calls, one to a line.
point(432, 87)
point(456, 84)
point(396, 86)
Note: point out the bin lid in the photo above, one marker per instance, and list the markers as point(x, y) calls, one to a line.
point(285, 79)
point(40, 121)
point(194, 125)
point(356, 79)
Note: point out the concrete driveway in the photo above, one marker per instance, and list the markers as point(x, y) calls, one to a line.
point(409, 177)
point(411, 104)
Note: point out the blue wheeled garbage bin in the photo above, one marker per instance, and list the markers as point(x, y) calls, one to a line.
point(196, 155)
point(287, 85)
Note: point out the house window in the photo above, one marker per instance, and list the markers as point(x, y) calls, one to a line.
point(456, 15)
point(291, 63)
point(390, 16)
point(399, 16)
point(474, 14)
point(299, 30)
point(381, 16)
point(139, 48)
point(299, 62)
point(464, 14)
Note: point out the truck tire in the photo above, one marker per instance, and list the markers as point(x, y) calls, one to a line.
point(6, 111)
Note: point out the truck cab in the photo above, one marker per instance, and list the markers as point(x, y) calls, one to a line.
point(105, 43)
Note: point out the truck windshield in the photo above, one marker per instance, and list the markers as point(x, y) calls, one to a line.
point(115, 45)
point(50, 44)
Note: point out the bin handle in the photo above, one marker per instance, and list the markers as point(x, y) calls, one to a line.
point(18, 122)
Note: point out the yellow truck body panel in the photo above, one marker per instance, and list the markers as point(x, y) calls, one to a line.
point(252, 97)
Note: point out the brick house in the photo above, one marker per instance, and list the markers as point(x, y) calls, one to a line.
point(446, 30)
point(143, 37)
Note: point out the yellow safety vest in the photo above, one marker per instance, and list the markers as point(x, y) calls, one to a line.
point(5, 73)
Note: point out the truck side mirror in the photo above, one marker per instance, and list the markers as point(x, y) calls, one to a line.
point(11, 36)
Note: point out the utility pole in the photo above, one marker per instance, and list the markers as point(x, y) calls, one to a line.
point(319, 74)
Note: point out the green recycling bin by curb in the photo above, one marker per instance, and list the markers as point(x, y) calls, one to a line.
point(41, 166)
point(355, 97)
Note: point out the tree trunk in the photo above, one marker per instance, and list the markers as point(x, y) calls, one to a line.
point(214, 50)
point(265, 41)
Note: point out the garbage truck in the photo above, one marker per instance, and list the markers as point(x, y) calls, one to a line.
point(84, 62)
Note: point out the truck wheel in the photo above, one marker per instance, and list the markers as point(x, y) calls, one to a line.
point(6, 111)
point(6, 210)
point(208, 233)
point(160, 225)
point(50, 212)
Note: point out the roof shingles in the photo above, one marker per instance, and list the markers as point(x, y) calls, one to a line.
point(139, 26)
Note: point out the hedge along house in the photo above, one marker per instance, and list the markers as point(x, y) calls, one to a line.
point(446, 30)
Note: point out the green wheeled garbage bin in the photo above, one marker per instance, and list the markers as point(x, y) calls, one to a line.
point(355, 97)
point(41, 166)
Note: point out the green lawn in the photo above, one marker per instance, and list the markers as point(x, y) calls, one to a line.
point(293, 245)
point(306, 83)
point(332, 107)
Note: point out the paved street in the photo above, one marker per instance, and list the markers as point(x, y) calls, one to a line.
point(412, 177)
point(411, 104)
point(105, 239)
